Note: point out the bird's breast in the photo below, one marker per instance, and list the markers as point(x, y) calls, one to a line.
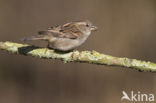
point(66, 44)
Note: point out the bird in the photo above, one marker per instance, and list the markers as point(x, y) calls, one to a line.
point(65, 37)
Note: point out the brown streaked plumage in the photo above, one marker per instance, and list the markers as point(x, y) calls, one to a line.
point(65, 37)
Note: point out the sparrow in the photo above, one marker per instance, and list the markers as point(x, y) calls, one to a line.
point(65, 37)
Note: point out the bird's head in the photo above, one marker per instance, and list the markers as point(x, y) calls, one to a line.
point(86, 25)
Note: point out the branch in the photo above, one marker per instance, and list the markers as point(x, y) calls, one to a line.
point(92, 57)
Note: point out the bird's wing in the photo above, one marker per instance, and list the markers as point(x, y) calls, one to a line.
point(69, 30)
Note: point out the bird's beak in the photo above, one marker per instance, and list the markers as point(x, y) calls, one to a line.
point(93, 28)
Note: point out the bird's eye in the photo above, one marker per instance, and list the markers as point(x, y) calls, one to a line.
point(87, 25)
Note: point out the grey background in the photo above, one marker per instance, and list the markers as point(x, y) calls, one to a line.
point(126, 29)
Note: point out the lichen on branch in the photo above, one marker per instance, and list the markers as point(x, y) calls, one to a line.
point(91, 57)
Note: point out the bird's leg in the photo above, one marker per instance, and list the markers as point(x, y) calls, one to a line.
point(72, 56)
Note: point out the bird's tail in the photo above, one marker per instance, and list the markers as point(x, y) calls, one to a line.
point(33, 38)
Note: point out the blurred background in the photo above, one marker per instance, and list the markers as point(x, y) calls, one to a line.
point(126, 28)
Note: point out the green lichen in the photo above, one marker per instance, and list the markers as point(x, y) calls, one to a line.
point(93, 57)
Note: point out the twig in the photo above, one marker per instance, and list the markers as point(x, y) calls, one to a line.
point(92, 57)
